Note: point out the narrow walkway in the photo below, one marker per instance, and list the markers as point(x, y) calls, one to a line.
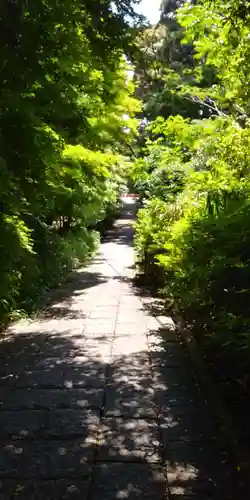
point(97, 398)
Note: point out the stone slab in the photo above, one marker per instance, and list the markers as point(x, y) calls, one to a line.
point(49, 399)
point(128, 481)
point(129, 371)
point(99, 326)
point(46, 459)
point(72, 424)
point(56, 424)
point(44, 361)
point(99, 349)
point(22, 424)
point(123, 346)
point(129, 401)
point(135, 329)
point(128, 316)
point(92, 375)
point(104, 313)
point(61, 489)
point(129, 440)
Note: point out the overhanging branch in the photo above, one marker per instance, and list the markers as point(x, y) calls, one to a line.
point(213, 106)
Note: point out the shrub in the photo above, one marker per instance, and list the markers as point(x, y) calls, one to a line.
point(195, 247)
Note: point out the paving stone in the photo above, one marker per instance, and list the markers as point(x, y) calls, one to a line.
point(75, 360)
point(135, 329)
point(98, 327)
point(65, 424)
point(98, 348)
point(129, 440)
point(8, 380)
point(18, 364)
point(72, 334)
point(136, 381)
point(32, 328)
point(47, 361)
point(133, 370)
point(61, 489)
point(40, 361)
point(46, 459)
point(37, 424)
point(34, 399)
point(93, 375)
point(126, 316)
point(131, 481)
point(105, 336)
point(104, 313)
point(26, 344)
point(123, 346)
point(68, 319)
point(4, 393)
point(130, 401)
point(61, 342)
point(22, 424)
point(130, 299)
point(107, 301)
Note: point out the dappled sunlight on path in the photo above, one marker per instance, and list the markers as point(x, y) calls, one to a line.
point(98, 400)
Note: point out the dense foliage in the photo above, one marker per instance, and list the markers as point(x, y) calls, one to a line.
point(66, 122)
point(192, 237)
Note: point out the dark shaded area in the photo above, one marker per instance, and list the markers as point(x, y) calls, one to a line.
point(213, 296)
point(122, 235)
point(67, 422)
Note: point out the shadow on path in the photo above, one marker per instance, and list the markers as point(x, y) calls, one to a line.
point(98, 401)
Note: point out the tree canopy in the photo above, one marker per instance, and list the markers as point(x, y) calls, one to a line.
point(67, 119)
point(192, 170)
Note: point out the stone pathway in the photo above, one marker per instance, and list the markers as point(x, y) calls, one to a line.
point(97, 398)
